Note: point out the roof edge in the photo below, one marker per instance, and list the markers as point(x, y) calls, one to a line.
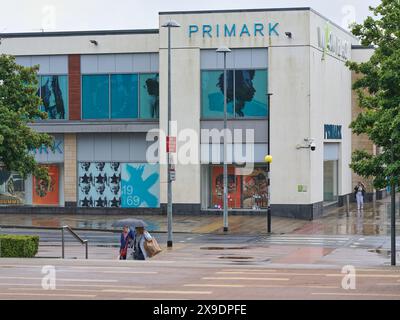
point(77, 33)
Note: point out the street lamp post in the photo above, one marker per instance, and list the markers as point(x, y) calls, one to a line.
point(269, 218)
point(225, 50)
point(170, 24)
point(393, 213)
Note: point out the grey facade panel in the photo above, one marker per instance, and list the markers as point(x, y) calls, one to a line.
point(57, 64)
point(256, 58)
point(141, 62)
point(106, 63)
point(130, 147)
point(123, 63)
point(120, 147)
point(102, 147)
point(85, 147)
point(44, 62)
point(260, 128)
point(89, 64)
point(119, 63)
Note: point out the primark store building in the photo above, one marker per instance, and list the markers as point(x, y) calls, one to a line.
point(106, 96)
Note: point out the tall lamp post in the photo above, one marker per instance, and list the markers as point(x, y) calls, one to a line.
point(393, 212)
point(170, 24)
point(225, 50)
point(268, 159)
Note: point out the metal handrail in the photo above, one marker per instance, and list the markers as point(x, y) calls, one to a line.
point(76, 236)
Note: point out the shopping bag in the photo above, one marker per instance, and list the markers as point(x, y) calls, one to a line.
point(152, 248)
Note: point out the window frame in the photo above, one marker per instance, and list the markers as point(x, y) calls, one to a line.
point(109, 119)
point(234, 118)
point(39, 76)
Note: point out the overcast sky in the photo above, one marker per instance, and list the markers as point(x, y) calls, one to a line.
point(63, 15)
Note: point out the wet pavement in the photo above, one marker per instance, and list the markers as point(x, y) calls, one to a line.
point(373, 220)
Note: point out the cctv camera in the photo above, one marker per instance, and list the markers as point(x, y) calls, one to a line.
point(313, 146)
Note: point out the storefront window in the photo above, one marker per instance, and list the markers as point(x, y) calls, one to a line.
point(47, 193)
point(124, 96)
point(54, 94)
point(149, 96)
point(331, 181)
point(116, 185)
point(95, 97)
point(244, 192)
point(12, 188)
point(212, 94)
point(246, 89)
point(251, 93)
point(125, 90)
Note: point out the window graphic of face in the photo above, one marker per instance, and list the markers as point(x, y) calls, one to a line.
point(100, 165)
point(85, 166)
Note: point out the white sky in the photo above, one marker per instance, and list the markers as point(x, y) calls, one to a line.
point(63, 15)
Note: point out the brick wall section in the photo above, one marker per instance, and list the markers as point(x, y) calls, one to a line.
point(74, 85)
point(70, 182)
point(360, 142)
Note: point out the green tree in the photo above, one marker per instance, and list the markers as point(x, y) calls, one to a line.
point(378, 92)
point(19, 106)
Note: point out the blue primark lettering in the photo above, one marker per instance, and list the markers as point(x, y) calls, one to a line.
point(245, 30)
point(217, 30)
point(272, 29)
point(193, 29)
point(57, 146)
point(258, 27)
point(230, 32)
point(207, 30)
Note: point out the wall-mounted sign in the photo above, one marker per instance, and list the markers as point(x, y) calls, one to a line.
point(332, 132)
point(46, 193)
point(331, 42)
point(258, 29)
point(53, 154)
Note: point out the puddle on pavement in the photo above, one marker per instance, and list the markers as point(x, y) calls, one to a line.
point(224, 248)
point(235, 258)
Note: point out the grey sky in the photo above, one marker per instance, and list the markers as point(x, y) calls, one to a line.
point(56, 15)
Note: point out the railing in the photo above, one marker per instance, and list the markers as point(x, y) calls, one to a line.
point(77, 237)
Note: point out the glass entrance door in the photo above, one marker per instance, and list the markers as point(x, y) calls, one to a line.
point(331, 181)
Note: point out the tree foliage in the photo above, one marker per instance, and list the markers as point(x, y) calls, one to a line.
point(378, 91)
point(19, 106)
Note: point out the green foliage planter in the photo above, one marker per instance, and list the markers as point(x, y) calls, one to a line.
point(16, 246)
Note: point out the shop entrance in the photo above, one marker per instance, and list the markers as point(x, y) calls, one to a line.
point(331, 173)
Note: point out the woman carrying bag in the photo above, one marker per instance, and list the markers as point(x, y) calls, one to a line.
point(145, 245)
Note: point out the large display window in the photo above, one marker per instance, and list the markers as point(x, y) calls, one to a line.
point(12, 188)
point(246, 91)
point(53, 90)
point(244, 192)
point(120, 96)
point(118, 185)
point(47, 193)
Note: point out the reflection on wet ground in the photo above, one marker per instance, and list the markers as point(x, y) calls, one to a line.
point(374, 219)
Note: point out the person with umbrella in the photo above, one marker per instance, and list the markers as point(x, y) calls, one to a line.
point(127, 236)
point(142, 236)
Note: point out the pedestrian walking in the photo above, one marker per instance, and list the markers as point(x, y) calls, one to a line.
point(359, 192)
point(141, 237)
point(127, 237)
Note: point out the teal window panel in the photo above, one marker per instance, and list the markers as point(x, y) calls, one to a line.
point(95, 97)
point(124, 96)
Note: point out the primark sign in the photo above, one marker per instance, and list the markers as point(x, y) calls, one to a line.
point(257, 29)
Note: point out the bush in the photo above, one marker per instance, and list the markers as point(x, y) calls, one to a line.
point(17, 246)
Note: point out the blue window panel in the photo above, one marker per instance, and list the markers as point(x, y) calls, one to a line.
point(212, 94)
point(124, 96)
point(149, 96)
point(251, 90)
point(54, 94)
point(95, 97)
point(140, 185)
